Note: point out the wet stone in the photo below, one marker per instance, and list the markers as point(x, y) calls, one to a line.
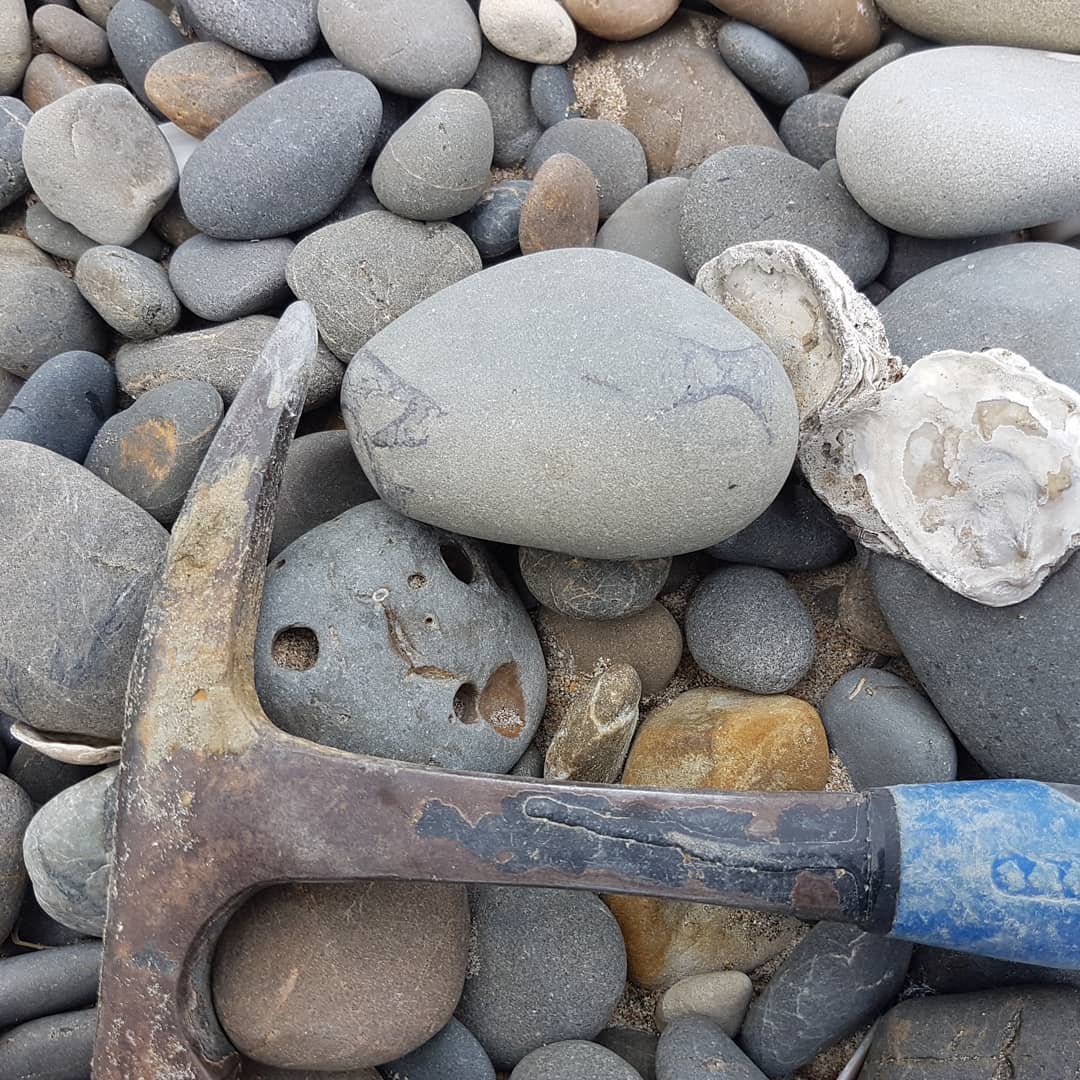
point(562, 208)
point(48, 981)
point(72, 36)
point(13, 119)
point(129, 291)
point(492, 224)
point(49, 78)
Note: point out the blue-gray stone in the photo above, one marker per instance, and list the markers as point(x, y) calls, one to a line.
point(577, 1058)
point(140, 33)
point(808, 127)
point(13, 117)
point(283, 30)
point(492, 224)
point(551, 91)
point(452, 1054)
point(503, 83)
point(48, 981)
point(56, 1047)
point(766, 66)
point(696, 1048)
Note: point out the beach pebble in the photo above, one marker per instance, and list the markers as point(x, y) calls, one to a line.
point(14, 44)
point(198, 87)
point(539, 31)
point(48, 981)
point(492, 224)
point(854, 76)
point(62, 404)
point(322, 479)
point(551, 93)
point(503, 83)
point(453, 1054)
point(171, 224)
point(838, 979)
point(808, 127)
point(49, 78)
point(1001, 118)
point(747, 627)
point(96, 10)
point(68, 851)
point(15, 814)
point(647, 225)
point(151, 451)
point(722, 996)
point(359, 991)
point(53, 1046)
point(129, 291)
point(284, 160)
point(841, 29)
point(64, 241)
point(140, 33)
point(255, 1070)
point(514, 1007)
point(436, 165)
point(696, 1048)
point(636, 1048)
point(43, 778)
point(748, 193)
point(13, 119)
point(765, 65)
point(575, 1057)
point(859, 613)
point(363, 273)
point(72, 36)
point(1040, 24)
point(562, 209)
point(592, 588)
point(284, 30)
point(18, 253)
point(10, 385)
point(359, 199)
point(909, 256)
point(570, 365)
point(221, 355)
point(621, 20)
point(410, 47)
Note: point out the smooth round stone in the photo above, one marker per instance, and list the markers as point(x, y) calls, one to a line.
point(58, 1046)
point(437, 164)
point(577, 1058)
point(621, 20)
point(14, 44)
point(284, 160)
point(647, 225)
point(854, 76)
point(539, 31)
point(16, 811)
point(97, 10)
point(765, 65)
point(322, 480)
point(749, 193)
point(808, 127)
point(410, 47)
point(129, 291)
point(220, 355)
point(114, 178)
point(284, 30)
point(841, 29)
point(62, 405)
point(227, 279)
point(363, 273)
point(68, 852)
point(552, 95)
point(886, 732)
point(696, 1048)
point(140, 33)
point(492, 224)
point(592, 588)
point(72, 36)
point(747, 627)
point(1001, 118)
point(43, 778)
point(42, 313)
point(151, 451)
point(13, 119)
point(513, 1007)
point(198, 87)
point(49, 78)
point(911, 255)
point(1041, 24)
point(562, 208)
point(64, 241)
point(18, 253)
point(503, 83)
point(48, 981)
point(711, 410)
point(611, 152)
point(636, 1048)
point(393, 950)
point(722, 996)
point(453, 1054)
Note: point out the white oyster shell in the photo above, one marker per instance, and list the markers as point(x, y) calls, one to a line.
point(74, 749)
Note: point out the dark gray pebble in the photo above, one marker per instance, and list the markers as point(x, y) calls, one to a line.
point(48, 981)
point(637, 1048)
point(56, 1047)
point(808, 127)
point(129, 291)
point(63, 240)
point(43, 777)
point(911, 255)
point(854, 76)
point(944, 971)
point(16, 812)
point(140, 33)
point(576, 1058)
point(452, 1054)
point(42, 931)
point(283, 30)
point(551, 91)
point(359, 199)
point(13, 183)
point(696, 1048)
point(503, 83)
point(492, 224)
point(765, 65)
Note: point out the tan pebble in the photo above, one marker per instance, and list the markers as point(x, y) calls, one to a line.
point(16, 252)
point(621, 20)
point(723, 996)
point(562, 208)
point(538, 31)
point(171, 223)
point(72, 36)
point(844, 29)
point(49, 78)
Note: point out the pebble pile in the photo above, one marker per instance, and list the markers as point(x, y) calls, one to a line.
point(697, 405)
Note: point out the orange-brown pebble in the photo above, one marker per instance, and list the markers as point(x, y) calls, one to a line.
point(844, 29)
point(48, 78)
point(620, 20)
point(562, 209)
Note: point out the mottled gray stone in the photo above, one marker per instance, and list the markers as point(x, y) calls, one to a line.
point(411, 47)
point(552, 94)
point(765, 65)
point(151, 451)
point(17, 253)
point(576, 1058)
point(56, 1047)
point(611, 151)
point(63, 240)
point(284, 160)
point(13, 119)
point(452, 1054)
point(88, 571)
point(886, 732)
point(437, 164)
point(492, 224)
point(220, 355)
point(48, 981)
point(140, 33)
point(365, 643)
point(43, 778)
point(838, 979)
point(747, 627)
point(129, 291)
point(62, 405)
point(647, 225)
point(16, 811)
point(503, 83)
point(513, 1007)
point(14, 44)
point(748, 193)
point(605, 341)
point(696, 1048)
point(808, 127)
point(42, 313)
point(362, 273)
point(72, 36)
point(911, 255)
point(592, 588)
point(68, 852)
point(115, 177)
point(284, 30)
point(636, 1048)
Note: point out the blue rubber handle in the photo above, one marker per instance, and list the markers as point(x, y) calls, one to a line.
point(991, 867)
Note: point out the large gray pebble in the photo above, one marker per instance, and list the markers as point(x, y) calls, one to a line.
point(129, 291)
point(43, 778)
point(577, 1058)
point(503, 82)
point(283, 30)
point(63, 240)
point(567, 992)
point(13, 119)
point(97, 160)
point(649, 396)
point(437, 164)
point(611, 151)
point(220, 355)
point(552, 94)
point(15, 48)
point(696, 1048)
point(16, 811)
point(808, 127)
point(284, 160)
point(227, 279)
point(68, 852)
point(411, 47)
point(647, 225)
point(362, 273)
point(764, 64)
point(747, 627)
point(48, 981)
point(453, 1054)
point(71, 35)
point(748, 193)
point(886, 732)
point(492, 224)
point(140, 33)
point(366, 642)
point(42, 313)
point(89, 571)
point(56, 1047)
point(152, 451)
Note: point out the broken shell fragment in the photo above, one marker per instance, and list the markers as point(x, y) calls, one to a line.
point(73, 749)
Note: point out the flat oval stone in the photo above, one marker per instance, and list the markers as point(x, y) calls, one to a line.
point(503, 83)
point(1040, 24)
point(410, 403)
point(72, 36)
point(453, 1054)
point(63, 404)
point(592, 588)
point(97, 10)
point(696, 1048)
point(764, 64)
point(808, 127)
point(621, 20)
point(48, 981)
point(139, 34)
point(552, 95)
point(283, 30)
point(562, 208)
point(539, 31)
point(492, 224)
point(14, 44)
point(59, 1046)
point(410, 47)
point(199, 86)
point(284, 160)
point(16, 811)
point(363, 273)
point(1001, 117)
point(647, 225)
point(575, 1057)
point(129, 291)
point(842, 29)
point(49, 78)
point(13, 119)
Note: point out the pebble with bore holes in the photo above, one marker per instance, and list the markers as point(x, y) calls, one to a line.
point(368, 641)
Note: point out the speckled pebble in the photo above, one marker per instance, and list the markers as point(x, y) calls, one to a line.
point(492, 224)
point(722, 996)
point(282, 30)
point(452, 1054)
point(15, 814)
point(636, 1048)
point(18, 253)
point(539, 31)
point(562, 209)
point(576, 1058)
point(808, 127)
point(139, 34)
point(15, 47)
point(552, 94)
point(72, 36)
point(765, 65)
point(64, 241)
point(13, 119)
point(43, 778)
point(49, 78)
point(647, 225)
point(503, 83)
point(696, 1048)
point(129, 291)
